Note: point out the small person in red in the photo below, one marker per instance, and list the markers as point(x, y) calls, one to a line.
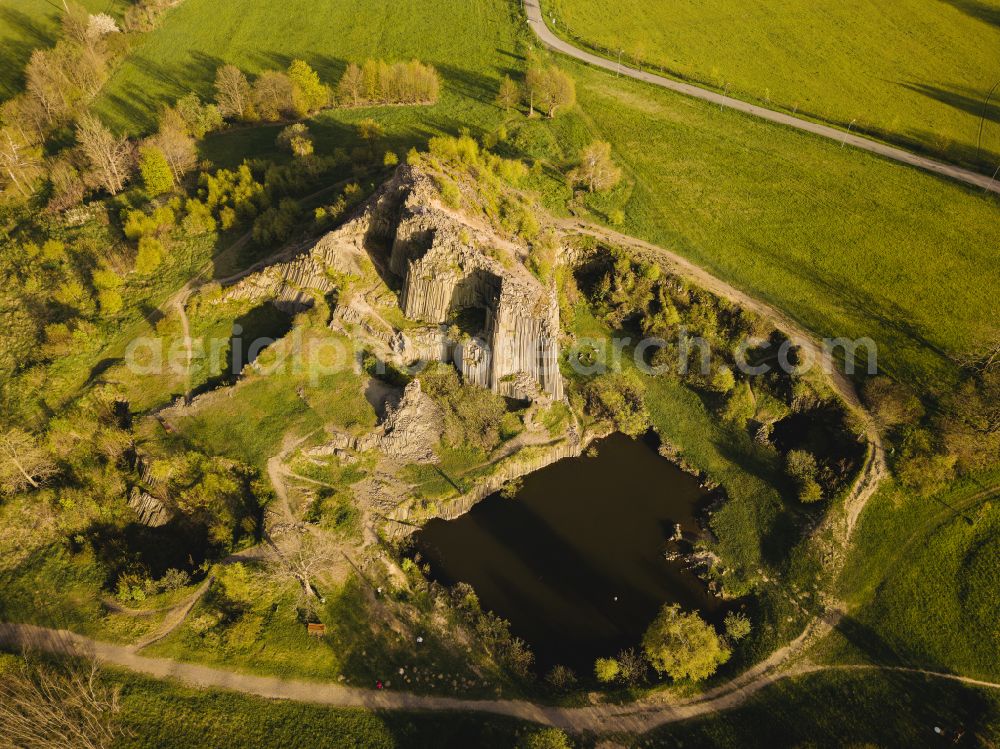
point(378, 684)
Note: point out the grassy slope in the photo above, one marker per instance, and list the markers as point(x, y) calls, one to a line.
point(250, 421)
point(848, 243)
point(26, 24)
point(844, 709)
point(915, 70)
point(924, 583)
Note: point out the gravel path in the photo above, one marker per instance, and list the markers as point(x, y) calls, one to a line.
point(637, 717)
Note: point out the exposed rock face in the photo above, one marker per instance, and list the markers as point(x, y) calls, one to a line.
point(410, 431)
point(439, 257)
point(149, 509)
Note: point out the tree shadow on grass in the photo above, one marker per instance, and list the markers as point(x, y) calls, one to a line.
point(985, 12)
point(22, 35)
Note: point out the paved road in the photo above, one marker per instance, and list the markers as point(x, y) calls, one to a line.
point(896, 154)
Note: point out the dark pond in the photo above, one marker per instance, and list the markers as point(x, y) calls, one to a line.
point(576, 561)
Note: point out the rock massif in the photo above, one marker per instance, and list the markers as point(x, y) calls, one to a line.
point(444, 264)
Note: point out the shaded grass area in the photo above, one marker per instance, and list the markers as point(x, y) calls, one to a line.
point(28, 24)
point(924, 580)
point(913, 72)
point(837, 709)
point(166, 715)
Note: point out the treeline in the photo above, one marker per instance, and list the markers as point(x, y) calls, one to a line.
point(276, 95)
point(379, 82)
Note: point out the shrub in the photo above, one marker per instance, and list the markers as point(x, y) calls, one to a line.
point(620, 400)
point(606, 670)
point(802, 469)
point(737, 625)
point(149, 257)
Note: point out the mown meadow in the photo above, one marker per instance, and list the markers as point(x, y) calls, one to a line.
point(912, 72)
point(847, 243)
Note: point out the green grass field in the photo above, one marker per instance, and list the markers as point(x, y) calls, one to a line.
point(847, 243)
point(912, 71)
point(923, 581)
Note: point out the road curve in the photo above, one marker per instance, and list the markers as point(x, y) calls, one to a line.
point(603, 718)
point(552, 41)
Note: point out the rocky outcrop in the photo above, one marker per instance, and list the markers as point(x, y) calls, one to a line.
point(148, 509)
point(410, 432)
point(445, 265)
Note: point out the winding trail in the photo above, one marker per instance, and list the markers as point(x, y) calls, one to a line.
point(549, 39)
point(604, 718)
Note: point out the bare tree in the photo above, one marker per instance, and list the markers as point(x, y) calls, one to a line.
point(19, 161)
point(983, 359)
point(176, 144)
point(301, 554)
point(596, 169)
point(111, 157)
point(45, 707)
point(509, 94)
point(351, 88)
point(24, 463)
point(233, 93)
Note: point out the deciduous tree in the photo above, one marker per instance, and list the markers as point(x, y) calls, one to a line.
point(155, 170)
point(683, 646)
point(509, 94)
point(272, 96)
point(24, 462)
point(309, 94)
point(596, 170)
point(110, 156)
point(233, 93)
point(351, 88)
point(20, 161)
point(549, 89)
point(177, 146)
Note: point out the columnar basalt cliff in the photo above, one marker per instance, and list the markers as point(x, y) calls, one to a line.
point(445, 264)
